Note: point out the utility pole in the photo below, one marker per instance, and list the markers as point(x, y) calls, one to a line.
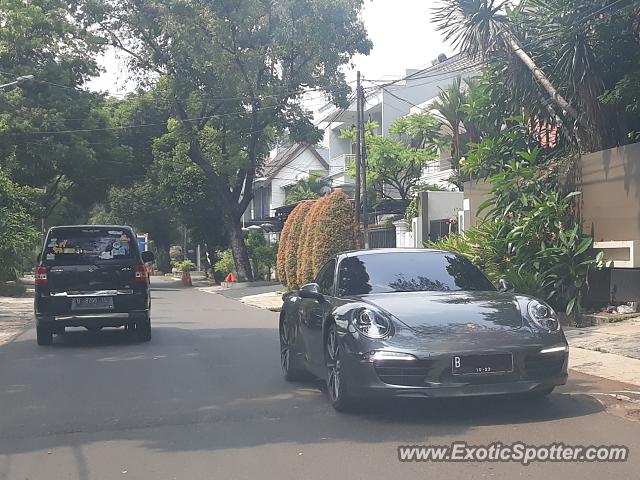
point(363, 168)
point(358, 149)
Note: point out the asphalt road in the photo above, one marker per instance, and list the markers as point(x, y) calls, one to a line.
point(205, 400)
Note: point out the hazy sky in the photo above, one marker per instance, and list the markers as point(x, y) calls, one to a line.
point(402, 36)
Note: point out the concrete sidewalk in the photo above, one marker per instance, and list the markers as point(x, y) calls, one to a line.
point(611, 350)
point(267, 297)
point(15, 315)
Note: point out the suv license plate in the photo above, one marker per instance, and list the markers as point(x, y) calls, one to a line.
point(92, 303)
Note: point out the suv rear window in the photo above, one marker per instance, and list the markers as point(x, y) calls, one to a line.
point(87, 245)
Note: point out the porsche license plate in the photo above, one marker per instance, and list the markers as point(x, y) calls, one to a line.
point(92, 303)
point(482, 364)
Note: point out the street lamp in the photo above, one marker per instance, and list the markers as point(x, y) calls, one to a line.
point(17, 81)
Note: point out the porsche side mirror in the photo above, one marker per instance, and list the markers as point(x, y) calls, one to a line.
point(148, 257)
point(312, 291)
point(505, 286)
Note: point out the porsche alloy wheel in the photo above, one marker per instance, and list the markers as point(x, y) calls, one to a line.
point(290, 364)
point(336, 384)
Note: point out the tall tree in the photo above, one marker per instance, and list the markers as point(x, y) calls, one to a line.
point(480, 27)
point(17, 233)
point(44, 123)
point(394, 164)
point(555, 60)
point(236, 70)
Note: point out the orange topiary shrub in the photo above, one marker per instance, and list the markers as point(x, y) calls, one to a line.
point(306, 272)
point(287, 263)
point(283, 245)
point(336, 230)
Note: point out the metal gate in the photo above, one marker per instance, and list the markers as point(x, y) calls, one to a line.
point(382, 237)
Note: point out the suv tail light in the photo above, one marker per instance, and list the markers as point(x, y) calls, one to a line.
point(42, 277)
point(141, 274)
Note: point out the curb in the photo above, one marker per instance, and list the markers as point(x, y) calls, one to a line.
point(605, 365)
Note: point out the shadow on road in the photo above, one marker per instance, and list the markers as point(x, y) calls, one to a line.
point(211, 389)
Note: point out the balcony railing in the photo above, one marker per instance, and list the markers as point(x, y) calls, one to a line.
point(341, 163)
point(437, 166)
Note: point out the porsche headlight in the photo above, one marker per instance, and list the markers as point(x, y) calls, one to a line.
point(543, 316)
point(372, 324)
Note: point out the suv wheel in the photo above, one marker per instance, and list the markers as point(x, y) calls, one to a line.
point(143, 330)
point(44, 334)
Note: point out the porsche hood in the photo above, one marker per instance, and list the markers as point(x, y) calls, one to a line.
point(451, 312)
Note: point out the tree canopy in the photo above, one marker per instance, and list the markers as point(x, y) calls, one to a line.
point(235, 72)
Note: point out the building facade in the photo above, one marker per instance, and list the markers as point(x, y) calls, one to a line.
point(282, 171)
point(384, 105)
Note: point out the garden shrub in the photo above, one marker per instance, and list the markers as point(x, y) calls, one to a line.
point(287, 264)
point(281, 265)
point(313, 233)
point(532, 236)
point(225, 264)
point(335, 230)
point(261, 254)
point(305, 271)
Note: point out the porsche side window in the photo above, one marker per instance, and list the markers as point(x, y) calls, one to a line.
point(325, 278)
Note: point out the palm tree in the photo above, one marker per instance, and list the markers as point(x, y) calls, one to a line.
point(480, 27)
point(315, 186)
point(449, 107)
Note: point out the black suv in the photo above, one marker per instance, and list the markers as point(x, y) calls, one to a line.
point(92, 276)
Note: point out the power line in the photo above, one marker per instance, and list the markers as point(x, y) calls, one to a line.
point(141, 125)
point(243, 97)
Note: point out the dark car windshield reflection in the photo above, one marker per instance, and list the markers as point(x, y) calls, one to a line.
point(410, 272)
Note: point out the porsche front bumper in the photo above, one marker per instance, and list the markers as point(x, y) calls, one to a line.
point(432, 376)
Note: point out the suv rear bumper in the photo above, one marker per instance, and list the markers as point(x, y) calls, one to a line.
point(92, 319)
point(60, 305)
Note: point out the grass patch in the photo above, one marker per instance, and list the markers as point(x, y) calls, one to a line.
point(622, 318)
point(12, 289)
point(275, 309)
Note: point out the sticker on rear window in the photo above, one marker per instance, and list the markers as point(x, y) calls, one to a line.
point(115, 232)
point(51, 256)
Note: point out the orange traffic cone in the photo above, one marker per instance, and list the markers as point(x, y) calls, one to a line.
point(231, 278)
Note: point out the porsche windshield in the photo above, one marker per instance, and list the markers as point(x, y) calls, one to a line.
point(409, 272)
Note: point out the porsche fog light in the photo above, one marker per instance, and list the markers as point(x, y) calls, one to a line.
point(372, 324)
point(543, 316)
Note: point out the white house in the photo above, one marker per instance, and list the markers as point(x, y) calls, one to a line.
point(282, 170)
point(386, 104)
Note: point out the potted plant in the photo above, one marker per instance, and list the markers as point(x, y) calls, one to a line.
point(186, 267)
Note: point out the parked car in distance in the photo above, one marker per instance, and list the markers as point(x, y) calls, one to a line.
point(92, 276)
point(418, 323)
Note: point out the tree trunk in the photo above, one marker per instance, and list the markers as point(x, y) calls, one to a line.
point(542, 79)
point(239, 249)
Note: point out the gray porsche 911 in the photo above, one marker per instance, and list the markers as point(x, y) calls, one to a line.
point(418, 323)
